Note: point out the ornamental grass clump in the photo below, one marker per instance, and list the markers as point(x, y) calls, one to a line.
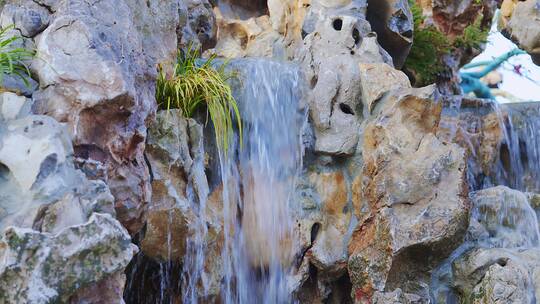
point(12, 57)
point(196, 83)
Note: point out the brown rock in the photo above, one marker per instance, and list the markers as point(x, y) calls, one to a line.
point(416, 189)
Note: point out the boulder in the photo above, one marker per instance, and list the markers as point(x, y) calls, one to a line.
point(524, 27)
point(28, 16)
point(96, 68)
point(41, 267)
point(415, 188)
point(497, 275)
point(329, 57)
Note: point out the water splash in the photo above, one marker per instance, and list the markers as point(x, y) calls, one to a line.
point(260, 180)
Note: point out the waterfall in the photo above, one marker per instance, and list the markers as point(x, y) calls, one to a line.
point(501, 219)
point(259, 181)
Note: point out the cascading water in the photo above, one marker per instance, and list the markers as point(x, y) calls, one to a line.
point(502, 218)
point(258, 182)
point(261, 178)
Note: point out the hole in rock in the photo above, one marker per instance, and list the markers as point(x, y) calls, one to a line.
point(356, 36)
point(315, 231)
point(338, 24)
point(4, 172)
point(313, 81)
point(346, 109)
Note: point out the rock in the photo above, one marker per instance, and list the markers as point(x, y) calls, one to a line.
point(13, 83)
point(497, 276)
point(175, 226)
point(376, 79)
point(13, 106)
point(97, 73)
point(324, 224)
point(201, 27)
point(43, 267)
point(524, 28)
point(108, 290)
point(28, 16)
point(505, 217)
point(398, 297)
point(415, 187)
point(393, 22)
point(335, 100)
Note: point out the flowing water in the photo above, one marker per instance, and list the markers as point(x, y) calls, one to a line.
point(261, 177)
point(506, 222)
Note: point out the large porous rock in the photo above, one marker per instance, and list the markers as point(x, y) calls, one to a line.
point(323, 227)
point(39, 267)
point(415, 187)
point(60, 228)
point(96, 65)
point(497, 275)
point(38, 175)
point(392, 20)
point(524, 27)
point(330, 57)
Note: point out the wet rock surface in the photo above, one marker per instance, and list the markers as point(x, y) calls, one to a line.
point(380, 208)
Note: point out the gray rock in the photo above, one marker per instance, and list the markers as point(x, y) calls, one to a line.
point(97, 71)
point(27, 16)
point(392, 20)
point(43, 268)
point(13, 106)
point(524, 27)
point(329, 56)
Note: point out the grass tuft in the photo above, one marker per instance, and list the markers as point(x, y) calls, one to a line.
point(196, 83)
point(12, 58)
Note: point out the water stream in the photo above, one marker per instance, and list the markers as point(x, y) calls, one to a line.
point(501, 222)
point(258, 180)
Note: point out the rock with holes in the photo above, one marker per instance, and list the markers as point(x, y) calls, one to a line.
point(497, 275)
point(29, 17)
point(323, 228)
point(97, 69)
point(319, 9)
point(415, 187)
point(197, 24)
point(524, 27)
point(392, 20)
point(329, 55)
point(41, 267)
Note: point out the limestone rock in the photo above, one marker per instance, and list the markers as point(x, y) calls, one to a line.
point(497, 275)
point(524, 27)
point(28, 16)
point(416, 189)
point(97, 72)
point(505, 218)
point(392, 20)
point(376, 79)
point(329, 55)
point(13, 106)
point(108, 290)
point(43, 267)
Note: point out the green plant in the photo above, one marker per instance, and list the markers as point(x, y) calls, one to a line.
point(195, 83)
point(12, 58)
point(430, 45)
